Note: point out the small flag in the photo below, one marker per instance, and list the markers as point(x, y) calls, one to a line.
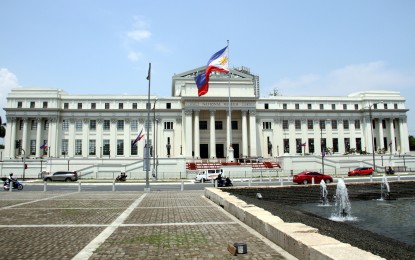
point(139, 137)
point(44, 146)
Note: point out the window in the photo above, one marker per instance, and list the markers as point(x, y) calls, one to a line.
point(284, 106)
point(334, 124)
point(335, 145)
point(19, 145)
point(385, 106)
point(106, 150)
point(311, 145)
point(357, 124)
point(148, 105)
point(46, 125)
point(322, 124)
point(134, 148)
point(203, 125)
point(395, 106)
point(120, 105)
point(168, 105)
point(120, 125)
point(92, 125)
point(285, 124)
point(19, 104)
point(234, 125)
point(299, 147)
point(32, 147)
point(358, 144)
point(356, 106)
point(20, 124)
point(33, 125)
point(168, 125)
point(65, 125)
point(92, 147)
point(32, 104)
point(297, 124)
point(266, 125)
point(346, 124)
point(218, 125)
point(308, 106)
point(78, 146)
point(310, 124)
point(266, 106)
point(78, 125)
point(93, 105)
point(375, 106)
point(79, 105)
point(297, 106)
point(106, 125)
point(65, 105)
point(120, 147)
point(286, 145)
point(321, 106)
point(107, 105)
point(134, 105)
point(45, 104)
point(134, 125)
point(344, 106)
point(333, 106)
point(347, 144)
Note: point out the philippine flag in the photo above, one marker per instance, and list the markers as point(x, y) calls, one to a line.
point(218, 62)
point(44, 146)
point(139, 137)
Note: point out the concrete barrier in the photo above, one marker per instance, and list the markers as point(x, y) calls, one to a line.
point(300, 240)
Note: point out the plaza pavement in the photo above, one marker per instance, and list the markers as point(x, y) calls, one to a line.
point(127, 225)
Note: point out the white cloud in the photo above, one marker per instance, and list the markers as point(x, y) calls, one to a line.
point(140, 31)
point(134, 56)
point(347, 80)
point(7, 81)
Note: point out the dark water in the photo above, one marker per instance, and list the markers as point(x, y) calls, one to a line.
point(391, 218)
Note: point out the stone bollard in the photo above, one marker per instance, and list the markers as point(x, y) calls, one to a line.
point(182, 186)
point(281, 181)
point(250, 181)
point(399, 176)
point(45, 184)
point(113, 185)
point(10, 186)
point(215, 183)
point(79, 186)
point(312, 180)
point(371, 178)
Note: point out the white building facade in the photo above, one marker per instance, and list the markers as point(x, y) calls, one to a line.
point(191, 127)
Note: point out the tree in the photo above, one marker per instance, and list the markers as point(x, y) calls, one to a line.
point(2, 130)
point(411, 143)
point(275, 92)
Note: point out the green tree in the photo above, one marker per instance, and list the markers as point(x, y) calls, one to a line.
point(2, 129)
point(411, 143)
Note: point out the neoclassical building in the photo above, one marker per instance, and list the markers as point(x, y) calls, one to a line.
point(184, 125)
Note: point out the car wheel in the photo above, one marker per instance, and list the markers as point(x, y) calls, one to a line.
point(305, 182)
point(48, 180)
point(68, 179)
point(327, 180)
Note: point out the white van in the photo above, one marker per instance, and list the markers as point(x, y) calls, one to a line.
point(208, 175)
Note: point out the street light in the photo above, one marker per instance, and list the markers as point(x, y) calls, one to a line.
point(323, 152)
point(155, 140)
point(371, 133)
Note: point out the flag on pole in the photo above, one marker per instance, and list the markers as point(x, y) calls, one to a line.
point(218, 62)
point(44, 146)
point(139, 137)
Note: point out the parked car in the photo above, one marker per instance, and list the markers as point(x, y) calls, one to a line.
point(306, 177)
point(361, 171)
point(62, 176)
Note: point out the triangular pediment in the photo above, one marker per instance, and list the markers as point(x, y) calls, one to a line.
point(235, 73)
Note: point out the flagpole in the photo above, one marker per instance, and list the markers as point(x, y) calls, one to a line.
point(230, 148)
point(147, 146)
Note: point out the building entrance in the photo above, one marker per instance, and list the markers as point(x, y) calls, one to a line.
point(204, 151)
point(236, 153)
point(219, 151)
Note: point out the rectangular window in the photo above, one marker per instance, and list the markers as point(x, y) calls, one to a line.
point(32, 104)
point(357, 124)
point(334, 124)
point(286, 145)
point(284, 106)
point(65, 146)
point(297, 124)
point(395, 106)
point(344, 106)
point(120, 125)
point(203, 125)
point(285, 124)
point(19, 104)
point(92, 125)
point(266, 125)
point(322, 124)
point(45, 104)
point(32, 147)
point(335, 145)
point(310, 124)
point(297, 106)
point(311, 145)
point(308, 106)
point(107, 105)
point(266, 106)
point(134, 105)
point(33, 125)
point(385, 106)
point(134, 149)
point(375, 106)
point(299, 147)
point(65, 105)
point(358, 145)
point(92, 147)
point(65, 125)
point(234, 125)
point(46, 125)
point(333, 106)
point(168, 125)
point(120, 147)
point(19, 145)
point(106, 126)
point(78, 146)
point(79, 105)
point(148, 106)
point(120, 105)
point(168, 105)
point(356, 106)
point(347, 144)
point(346, 124)
point(134, 125)
point(218, 125)
point(93, 105)
point(78, 125)
point(321, 106)
point(106, 144)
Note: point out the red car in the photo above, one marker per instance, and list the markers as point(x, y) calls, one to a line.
point(361, 171)
point(306, 177)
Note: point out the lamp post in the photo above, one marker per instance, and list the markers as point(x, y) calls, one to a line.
point(323, 152)
point(371, 133)
point(154, 137)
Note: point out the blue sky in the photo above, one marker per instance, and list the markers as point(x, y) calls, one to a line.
point(307, 48)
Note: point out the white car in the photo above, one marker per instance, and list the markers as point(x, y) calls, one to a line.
point(208, 175)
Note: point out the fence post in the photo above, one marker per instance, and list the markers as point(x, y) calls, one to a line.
point(182, 186)
point(45, 184)
point(282, 182)
point(79, 186)
point(312, 180)
point(399, 176)
point(113, 185)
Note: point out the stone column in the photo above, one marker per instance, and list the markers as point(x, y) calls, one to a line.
point(252, 131)
point(113, 137)
point(127, 138)
point(10, 138)
point(38, 137)
point(24, 136)
point(71, 138)
point(188, 133)
point(392, 136)
point(244, 134)
point(352, 128)
point(197, 137)
point(212, 135)
point(380, 142)
point(85, 138)
point(99, 145)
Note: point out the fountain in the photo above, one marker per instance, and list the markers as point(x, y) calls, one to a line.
point(323, 193)
point(384, 189)
point(342, 210)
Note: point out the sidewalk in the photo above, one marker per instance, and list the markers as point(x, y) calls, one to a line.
point(128, 225)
